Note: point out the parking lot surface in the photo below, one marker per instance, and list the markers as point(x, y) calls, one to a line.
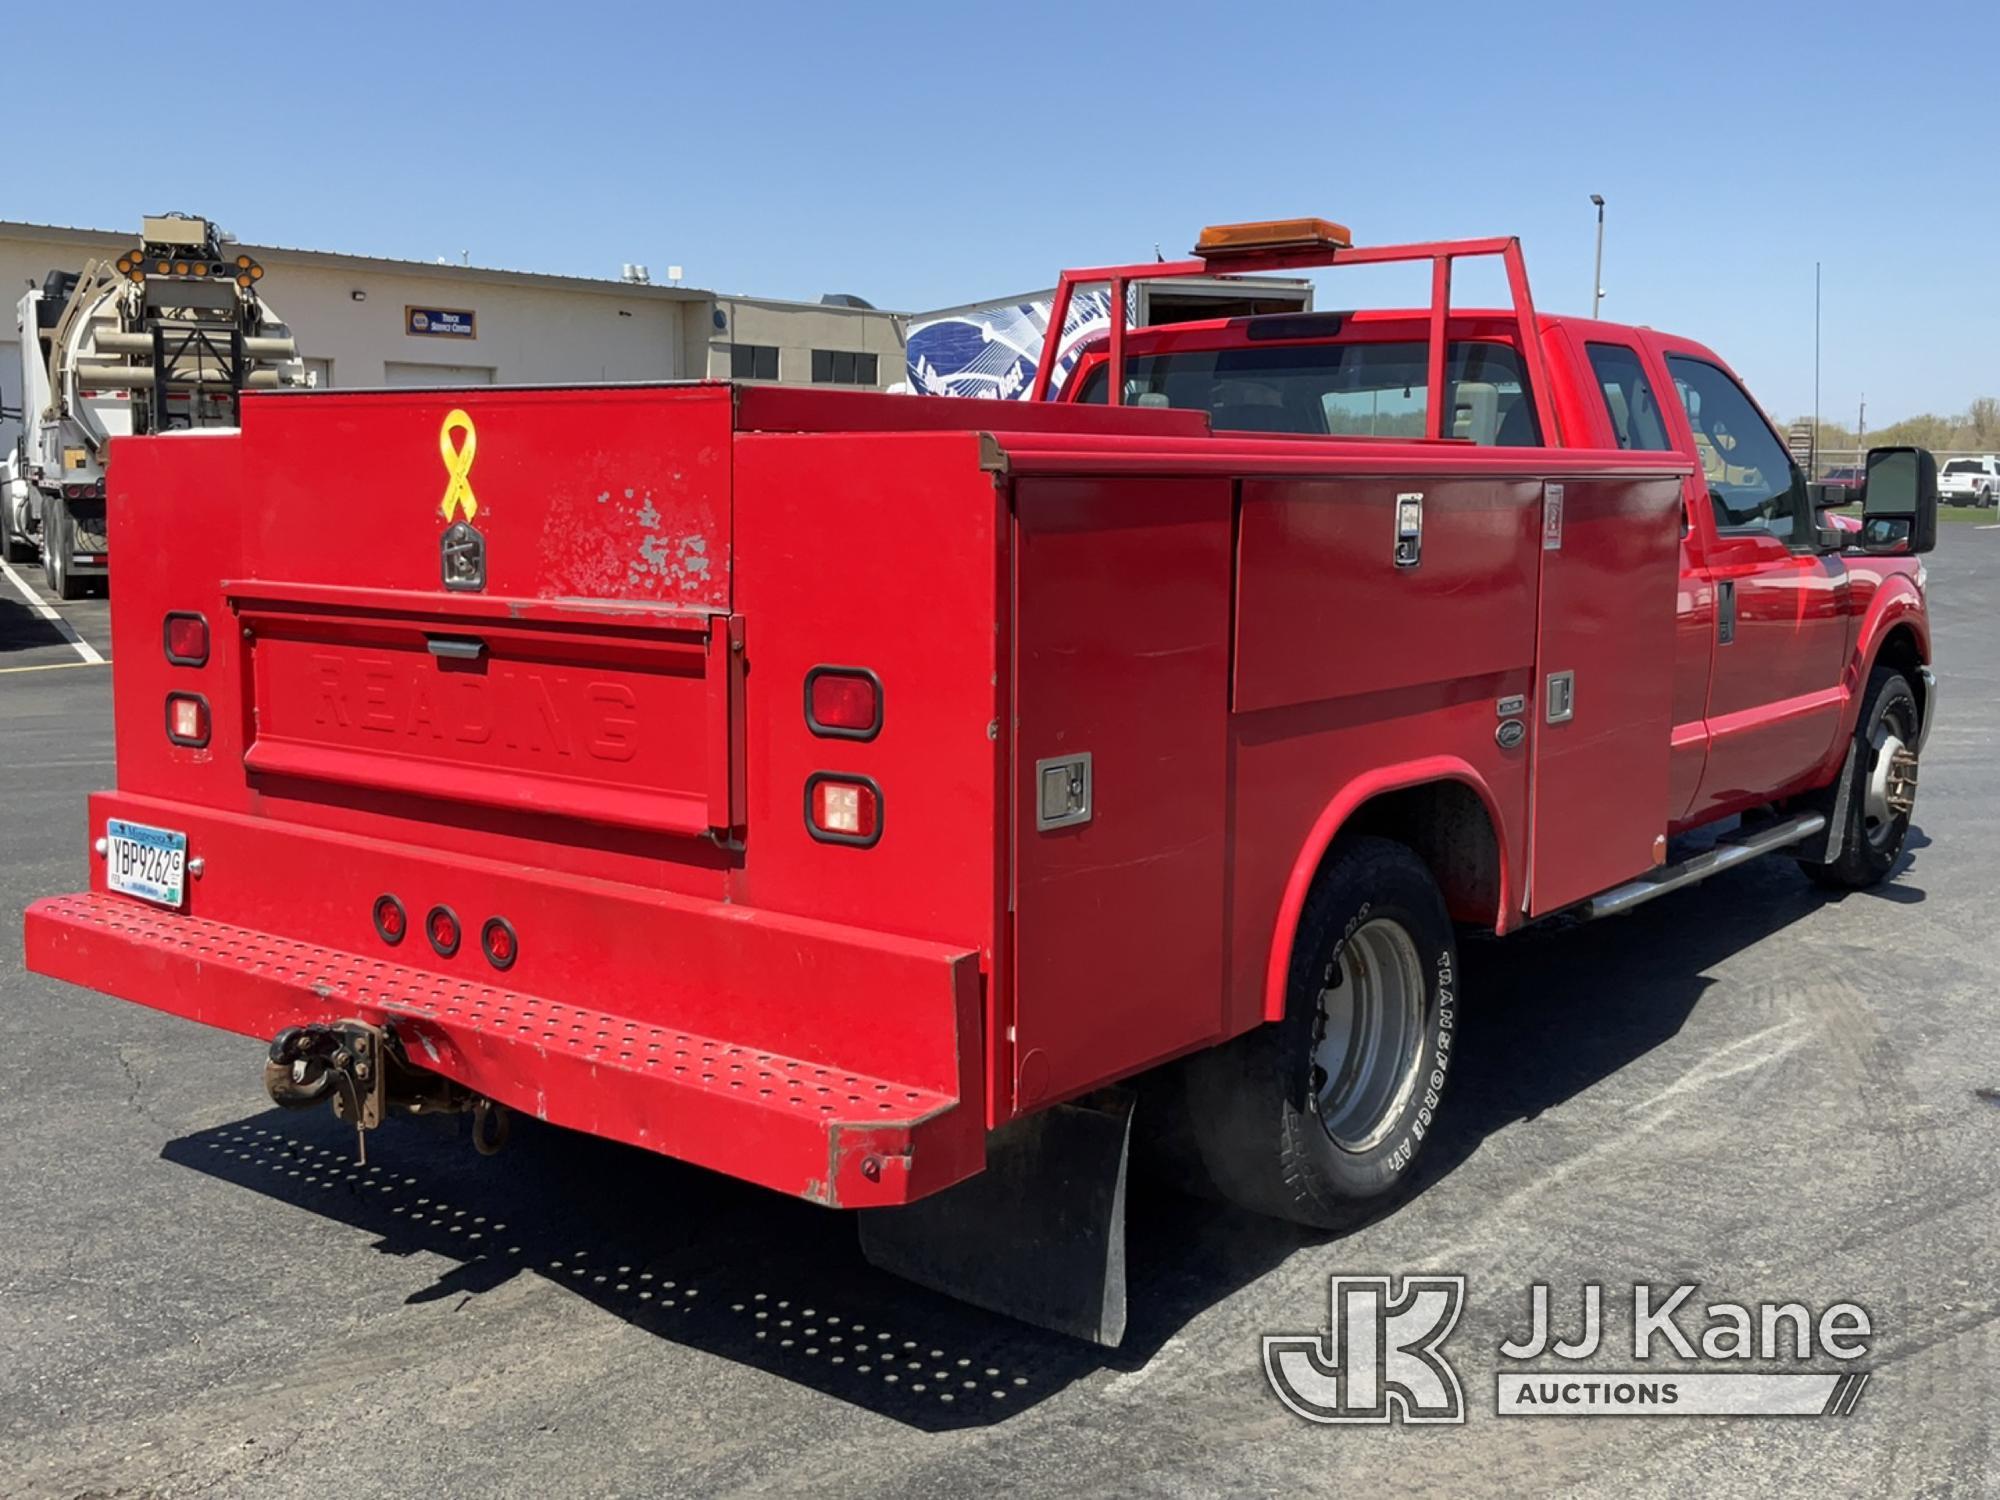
point(1751, 1085)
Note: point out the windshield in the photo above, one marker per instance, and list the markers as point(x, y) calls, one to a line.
point(1351, 389)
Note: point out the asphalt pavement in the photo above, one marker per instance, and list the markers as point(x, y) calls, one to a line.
point(1751, 1085)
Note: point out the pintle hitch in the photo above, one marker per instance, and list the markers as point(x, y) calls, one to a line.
point(363, 1070)
point(346, 1061)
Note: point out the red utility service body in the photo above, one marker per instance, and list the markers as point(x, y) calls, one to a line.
point(607, 745)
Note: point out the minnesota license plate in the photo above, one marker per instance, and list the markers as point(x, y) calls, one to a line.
point(150, 863)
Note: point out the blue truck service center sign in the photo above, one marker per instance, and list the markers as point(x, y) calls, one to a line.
point(443, 322)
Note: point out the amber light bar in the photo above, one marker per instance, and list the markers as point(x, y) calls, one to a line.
point(1267, 236)
point(136, 265)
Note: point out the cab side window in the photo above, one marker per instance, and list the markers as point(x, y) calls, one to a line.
point(1752, 481)
point(1629, 399)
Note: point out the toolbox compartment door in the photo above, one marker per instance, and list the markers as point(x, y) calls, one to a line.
point(591, 673)
point(626, 717)
point(1610, 567)
point(1121, 624)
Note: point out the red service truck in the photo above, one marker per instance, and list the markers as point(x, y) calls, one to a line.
point(860, 794)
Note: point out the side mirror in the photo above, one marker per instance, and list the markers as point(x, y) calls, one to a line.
point(1899, 501)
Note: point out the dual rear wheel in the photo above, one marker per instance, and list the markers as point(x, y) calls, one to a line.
point(1321, 1115)
point(58, 545)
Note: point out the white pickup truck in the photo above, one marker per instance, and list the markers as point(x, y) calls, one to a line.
point(1969, 481)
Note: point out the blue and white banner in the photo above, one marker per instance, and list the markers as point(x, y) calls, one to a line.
point(990, 351)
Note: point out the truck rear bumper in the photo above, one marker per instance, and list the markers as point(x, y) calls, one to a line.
point(797, 1120)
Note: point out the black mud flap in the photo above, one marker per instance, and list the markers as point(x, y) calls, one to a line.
point(1824, 847)
point(1039, 1235)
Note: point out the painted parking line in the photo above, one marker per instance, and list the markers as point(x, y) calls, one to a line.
point(55, 666)
point(84, 649)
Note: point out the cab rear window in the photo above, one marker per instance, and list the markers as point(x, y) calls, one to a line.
point(1628, 398)
point(1347, 390)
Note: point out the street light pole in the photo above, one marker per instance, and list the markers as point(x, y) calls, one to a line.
point(1597, 276)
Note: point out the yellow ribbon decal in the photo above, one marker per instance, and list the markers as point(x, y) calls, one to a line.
point(458, 464)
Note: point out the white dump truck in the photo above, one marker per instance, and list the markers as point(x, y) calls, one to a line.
point(161, 338)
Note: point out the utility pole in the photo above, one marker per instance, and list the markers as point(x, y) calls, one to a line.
point(1597, 276)
point(1861, 426)
point(1815, 438)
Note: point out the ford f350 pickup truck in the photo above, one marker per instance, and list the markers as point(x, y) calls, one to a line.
point(852, 793)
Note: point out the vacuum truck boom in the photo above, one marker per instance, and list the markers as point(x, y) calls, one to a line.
point(164, 337)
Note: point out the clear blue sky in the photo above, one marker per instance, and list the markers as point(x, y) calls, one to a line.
point(927, 154)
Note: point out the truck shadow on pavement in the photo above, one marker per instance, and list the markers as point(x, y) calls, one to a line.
point(732, 1270)
point(21, 629)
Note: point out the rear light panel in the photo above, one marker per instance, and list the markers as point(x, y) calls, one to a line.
point(187, 719)
point(844, 703)
point(842, 809)
point(497, 939)
point(185, 637)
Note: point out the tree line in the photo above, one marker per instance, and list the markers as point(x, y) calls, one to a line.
point(1977, 428)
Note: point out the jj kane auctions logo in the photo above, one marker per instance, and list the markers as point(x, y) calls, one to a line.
point(1381, 1357)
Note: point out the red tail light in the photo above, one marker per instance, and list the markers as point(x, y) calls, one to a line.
point(497, 939)
point(187, 719)
point(844, 703)
point(441, 927)
point(390, 923)
point(186, 637)
point(843, 809)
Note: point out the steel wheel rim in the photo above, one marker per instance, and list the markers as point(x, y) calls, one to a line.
point(1368, 1035)
point(1878, 818)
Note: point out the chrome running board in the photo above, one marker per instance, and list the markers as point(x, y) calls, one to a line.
point(1738, 848)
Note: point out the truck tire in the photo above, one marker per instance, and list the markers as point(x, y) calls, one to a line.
point(1318, 1116)
point(1874, 833)
point(13, 546)
point(58, 543)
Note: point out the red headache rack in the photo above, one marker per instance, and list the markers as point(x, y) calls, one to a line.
point(1303, 244)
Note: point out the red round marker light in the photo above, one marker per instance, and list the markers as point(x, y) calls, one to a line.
point(390, 922)
point(498, 940)
point(441, 927)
